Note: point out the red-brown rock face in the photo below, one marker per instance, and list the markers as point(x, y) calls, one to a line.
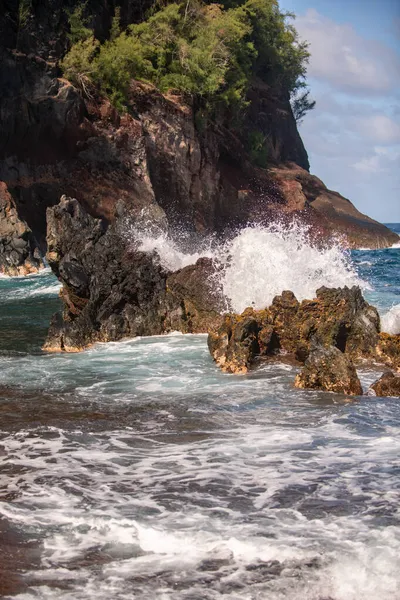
point(19, 254)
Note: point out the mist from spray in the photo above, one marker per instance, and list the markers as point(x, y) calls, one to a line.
point(261, 262)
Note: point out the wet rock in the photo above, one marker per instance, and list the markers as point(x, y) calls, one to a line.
point(235, 344)
point(329, 369)
point(111, 290)
point(388, 350)
point(194, 298)
point(337, 317)
point(387, 385)
point(19, 254)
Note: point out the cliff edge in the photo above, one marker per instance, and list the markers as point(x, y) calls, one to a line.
point(56, 140)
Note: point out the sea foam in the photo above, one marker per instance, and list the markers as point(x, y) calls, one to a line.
point(390, 322)
point(261, 262)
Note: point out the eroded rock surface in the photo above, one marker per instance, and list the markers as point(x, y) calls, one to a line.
point(56, 140)
point(19, 254)
point(329, 369)
point(388, 350)
point(387, 385)
point(336, 317)
point(111, 290)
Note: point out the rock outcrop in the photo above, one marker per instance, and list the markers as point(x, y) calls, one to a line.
point(19, 254)
point(329, 369)
point(387, 385)
point(388, 350)
point(336, 317)
point(54, 141)
point(112, 290)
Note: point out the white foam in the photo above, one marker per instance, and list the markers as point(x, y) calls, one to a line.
point(390, 322)
point(172, 257)
point(261, 262)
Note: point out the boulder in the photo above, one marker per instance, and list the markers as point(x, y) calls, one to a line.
point(387, 385)
point(19, 254)
point(112, 290)
point(329, 369)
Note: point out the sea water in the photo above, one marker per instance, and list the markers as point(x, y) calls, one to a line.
point(138, 470)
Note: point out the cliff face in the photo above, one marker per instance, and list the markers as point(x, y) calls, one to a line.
point(54, 142)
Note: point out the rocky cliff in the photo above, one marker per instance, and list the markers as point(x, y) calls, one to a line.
point(113, 290)
point(53, 141)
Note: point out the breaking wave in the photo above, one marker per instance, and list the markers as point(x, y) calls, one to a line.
point(260, 262)
point(390, 322)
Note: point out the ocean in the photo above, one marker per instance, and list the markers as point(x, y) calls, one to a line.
point(137, 470)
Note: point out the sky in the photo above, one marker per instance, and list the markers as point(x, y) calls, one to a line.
point(353, 134)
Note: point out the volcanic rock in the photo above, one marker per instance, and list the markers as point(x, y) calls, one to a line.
point(19, 254)
point(327, 368)
point(387, 385)
point(112, 290)
point(54, 139)
point(388, 350)
point(337, 317)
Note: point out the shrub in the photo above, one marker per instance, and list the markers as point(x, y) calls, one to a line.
point(208, 52)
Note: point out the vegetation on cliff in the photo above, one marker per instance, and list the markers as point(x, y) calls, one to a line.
point(206, 52)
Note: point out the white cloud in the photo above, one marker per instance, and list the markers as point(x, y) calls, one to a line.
point(381, 129)
point(369, 165)
point(344, 59)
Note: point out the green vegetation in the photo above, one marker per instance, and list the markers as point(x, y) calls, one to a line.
point(301, 104)
point(24, 12)
point(78, 25)
point(205, 52)
point(257, 148)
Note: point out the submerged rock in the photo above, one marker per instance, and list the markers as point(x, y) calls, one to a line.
point(336, 317)
point(329, 369)
point(111, 290)
point(19, 254)
point(387, 385)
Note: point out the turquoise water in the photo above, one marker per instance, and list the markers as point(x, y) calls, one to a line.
point(137, 470)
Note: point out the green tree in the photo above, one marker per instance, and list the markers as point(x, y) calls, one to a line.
point(207, 52)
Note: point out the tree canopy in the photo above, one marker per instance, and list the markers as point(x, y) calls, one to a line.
point(205, 51)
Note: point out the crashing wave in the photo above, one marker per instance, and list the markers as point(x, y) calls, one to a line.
point(261, 262)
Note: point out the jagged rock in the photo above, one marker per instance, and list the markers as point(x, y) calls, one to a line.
point(387, 385)
point(337, 317)
point(194, 298)
point(388, 349)
point(19, 254)
point(235, 344)
point(54, 141)
point(111, 290)
point(327, 368)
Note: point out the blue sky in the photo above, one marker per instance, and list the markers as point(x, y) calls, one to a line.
point(353, 134)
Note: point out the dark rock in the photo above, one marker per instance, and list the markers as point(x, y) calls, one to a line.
point(54, 141)
point(327, 368)
point(19, 254)
point(387, 385)
point(111, 290)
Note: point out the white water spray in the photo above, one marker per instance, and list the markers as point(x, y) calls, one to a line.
point(390, 322)
point(261, 262)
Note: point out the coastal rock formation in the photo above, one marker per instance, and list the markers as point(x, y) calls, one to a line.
point(336, 317)
point(111, 290)
point(19, 254)
point(388, 350)
point(329, 211)
point(327, 368)
point(387, 385)
point(54, 139)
